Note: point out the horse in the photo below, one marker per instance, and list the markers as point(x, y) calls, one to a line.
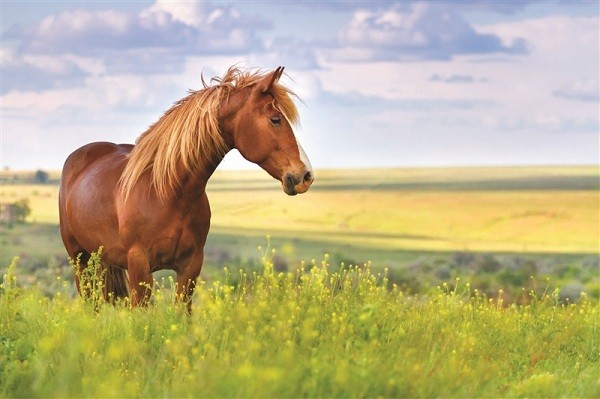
point(146, 204)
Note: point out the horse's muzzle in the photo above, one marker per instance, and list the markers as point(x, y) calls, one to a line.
point(293, 184)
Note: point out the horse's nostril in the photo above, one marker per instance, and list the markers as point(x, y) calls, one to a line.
point(289, 184)
point(308, 177)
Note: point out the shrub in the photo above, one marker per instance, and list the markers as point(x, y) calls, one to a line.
point(41, 177)
point(22, 210)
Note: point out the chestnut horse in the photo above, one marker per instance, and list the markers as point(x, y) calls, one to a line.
point(146, 204)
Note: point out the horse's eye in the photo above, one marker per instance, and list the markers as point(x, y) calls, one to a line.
point(276, 120)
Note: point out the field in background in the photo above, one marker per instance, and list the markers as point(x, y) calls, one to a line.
point(397, 218)
point(487, 209)
point(473, 245)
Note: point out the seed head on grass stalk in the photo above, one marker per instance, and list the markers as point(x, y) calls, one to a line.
point(91, 278)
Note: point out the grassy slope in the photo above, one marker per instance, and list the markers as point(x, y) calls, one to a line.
point(315, 334)
point(540, 209)
point(528, 221)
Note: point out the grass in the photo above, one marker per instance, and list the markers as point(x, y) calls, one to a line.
point(315, 332)
point(544, 209)
point(34, 243)
point(417, 222)
point(457, 314)
point(513, 221)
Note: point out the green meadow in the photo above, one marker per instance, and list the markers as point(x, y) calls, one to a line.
point(437, 282)
point(320, 331)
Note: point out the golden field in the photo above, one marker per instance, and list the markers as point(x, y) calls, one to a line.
point(518, 209)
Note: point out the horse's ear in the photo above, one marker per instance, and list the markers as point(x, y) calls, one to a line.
point(265, 84)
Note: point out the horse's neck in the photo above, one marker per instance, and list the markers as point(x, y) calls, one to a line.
point(226, 115)
point(226, 119)
point(196, 182)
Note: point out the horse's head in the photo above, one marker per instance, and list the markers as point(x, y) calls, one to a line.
point(262, 133)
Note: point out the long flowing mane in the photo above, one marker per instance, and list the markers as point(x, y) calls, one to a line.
point(188, 132)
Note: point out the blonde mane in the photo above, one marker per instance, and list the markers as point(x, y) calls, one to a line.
point(188, 133)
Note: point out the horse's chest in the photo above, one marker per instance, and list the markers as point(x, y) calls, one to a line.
point(174, 248)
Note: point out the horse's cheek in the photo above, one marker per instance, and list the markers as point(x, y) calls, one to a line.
point(255, 148)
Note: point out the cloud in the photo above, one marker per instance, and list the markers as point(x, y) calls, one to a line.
point(583, 90)
point(61, 50)
point(503, 7)
point(98, 95)
point(373, 105)
point(43, 72)
point(457, 78)
point(207, 29)
point(291, 52)
point(423, 32)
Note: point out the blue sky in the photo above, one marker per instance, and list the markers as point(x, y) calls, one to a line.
point(430, 83)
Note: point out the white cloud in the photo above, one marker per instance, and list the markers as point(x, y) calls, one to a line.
point(62, 50)
point(533, 84)
point(420, 32)
point(187, 12)
point(99, 97)
point(290, 52)
point(43, 102)
point(581, 90)
point(193, 27)
point(37, 72)
point(64, 64)
point(197, 14)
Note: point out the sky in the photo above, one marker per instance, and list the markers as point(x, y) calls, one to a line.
point(382, 84)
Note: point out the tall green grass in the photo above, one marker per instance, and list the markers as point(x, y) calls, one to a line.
point(321, 331)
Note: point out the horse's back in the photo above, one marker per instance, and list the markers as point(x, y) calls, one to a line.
point(85, 157)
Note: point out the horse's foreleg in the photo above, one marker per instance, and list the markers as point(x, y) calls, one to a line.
point(187, 277)
point(140, 278)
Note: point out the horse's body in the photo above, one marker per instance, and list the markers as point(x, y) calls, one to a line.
point(146, 205)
